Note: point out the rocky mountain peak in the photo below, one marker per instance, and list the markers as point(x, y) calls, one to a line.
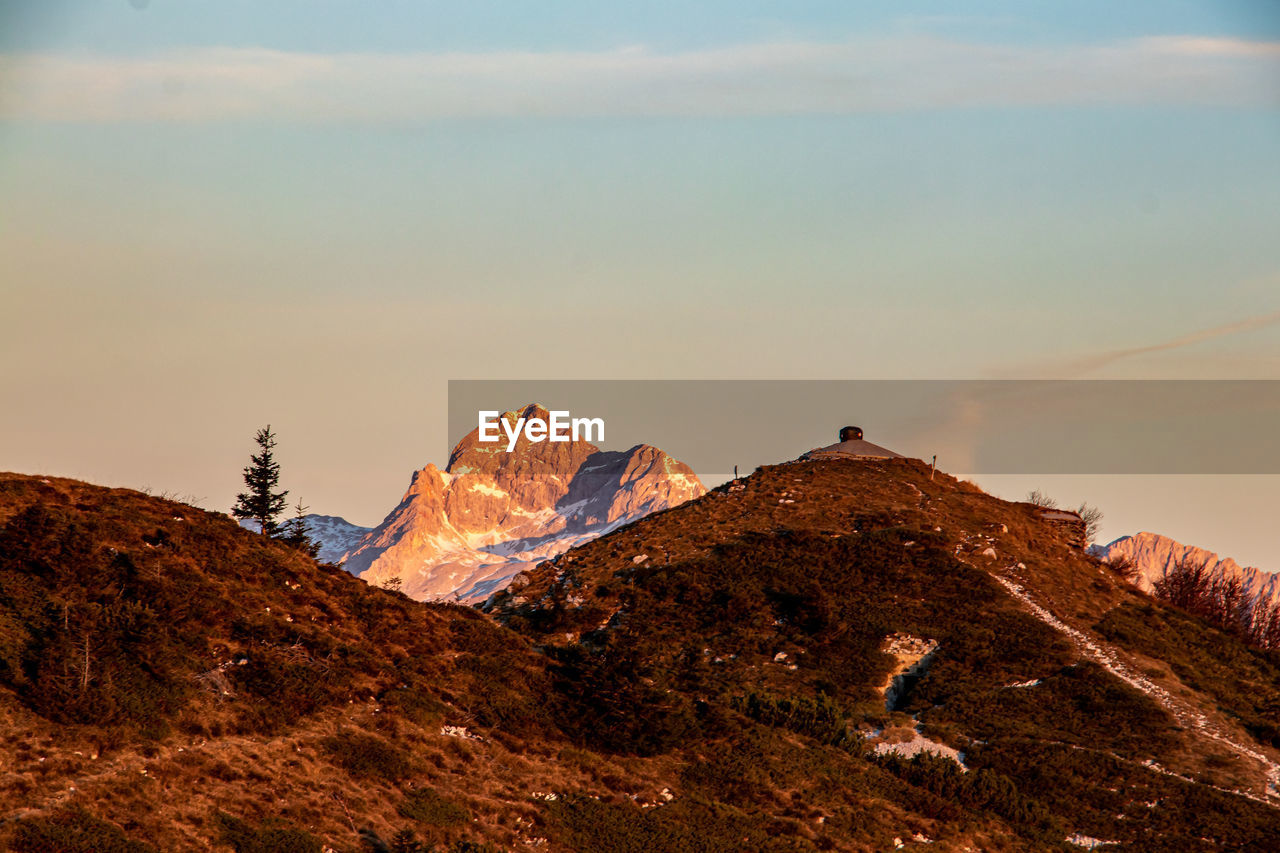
point(1154, 554)
point(467, 530)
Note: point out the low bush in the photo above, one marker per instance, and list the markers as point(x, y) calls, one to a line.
point(1243, 680)
point(981, 790)
point(426, 806)
point(73, 831)
point(584, 823)
point(367, 756)
point(273, 836)
point(821, 717)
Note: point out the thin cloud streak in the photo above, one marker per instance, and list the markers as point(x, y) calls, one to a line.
point(869, 75)
point(1097, 362)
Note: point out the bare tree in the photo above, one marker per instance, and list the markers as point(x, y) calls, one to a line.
point(1092, 518)
point(1225, 602)
point(1128, 571)
point(1039, 498)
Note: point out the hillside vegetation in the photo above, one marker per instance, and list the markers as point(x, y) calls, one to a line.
point(712, 677)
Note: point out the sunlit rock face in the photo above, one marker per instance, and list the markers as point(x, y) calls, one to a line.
point(464, 532)
point(1153, 554)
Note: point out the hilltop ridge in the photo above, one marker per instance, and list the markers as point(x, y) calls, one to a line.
point(832, 654)
point(1032, 566)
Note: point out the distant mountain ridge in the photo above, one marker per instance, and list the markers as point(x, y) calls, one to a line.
point(464, 532)
point(336, 536)
point(1153, 554)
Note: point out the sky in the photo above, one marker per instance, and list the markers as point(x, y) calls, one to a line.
point(219, 214)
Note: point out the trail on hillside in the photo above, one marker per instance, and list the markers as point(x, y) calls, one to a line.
point(1188, 717)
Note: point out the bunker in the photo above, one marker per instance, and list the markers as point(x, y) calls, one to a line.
point(852, 446)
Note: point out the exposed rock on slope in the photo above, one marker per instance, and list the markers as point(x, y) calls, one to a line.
point(467, 530)
point(1153, 554)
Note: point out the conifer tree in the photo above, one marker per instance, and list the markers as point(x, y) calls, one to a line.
point(262, 475)
point(294, 532)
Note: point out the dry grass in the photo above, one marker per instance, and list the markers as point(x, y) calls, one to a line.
point(334, 723)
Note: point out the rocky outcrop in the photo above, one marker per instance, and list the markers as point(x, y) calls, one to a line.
point(913, 656)
point(464, 532)
point(1153, 554)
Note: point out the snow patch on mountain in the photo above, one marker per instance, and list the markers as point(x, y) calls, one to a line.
point(336, 535)
point(463, 533)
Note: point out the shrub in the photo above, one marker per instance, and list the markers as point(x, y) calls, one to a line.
point(1222, 600)
point(74, 831)
point(274, 836)
point(1243, 680)
point(822, 718)
point(367, 756)
point(1125, 568)
point(426, 806)
point(416, 705)
point(405, 841)
point(981, 790)
point(1039, 498)
point(290, 682)
point(1092, 518)
point(583, 823)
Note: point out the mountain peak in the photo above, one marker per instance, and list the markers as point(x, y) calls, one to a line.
point(492, 512)
point(1153, 554)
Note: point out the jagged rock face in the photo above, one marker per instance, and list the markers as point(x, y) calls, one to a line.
point(467, 530)
point(1153, 554)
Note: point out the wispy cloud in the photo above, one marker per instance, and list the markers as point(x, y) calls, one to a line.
point(1093, 363)
point(884, 74)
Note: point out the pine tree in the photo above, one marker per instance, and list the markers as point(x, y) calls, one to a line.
point(294, 532)
point(262, 475)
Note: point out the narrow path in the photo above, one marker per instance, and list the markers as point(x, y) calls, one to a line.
point(1186, 716)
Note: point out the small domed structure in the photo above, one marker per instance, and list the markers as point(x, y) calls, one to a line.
point(851, 446)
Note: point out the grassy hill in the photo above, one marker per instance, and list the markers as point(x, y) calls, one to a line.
point(170, 672)
point(710, 678)
point(1085, 705)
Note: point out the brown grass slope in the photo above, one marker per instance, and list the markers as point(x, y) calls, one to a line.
point(160, 666)
point(170, 681)
point(820, 561)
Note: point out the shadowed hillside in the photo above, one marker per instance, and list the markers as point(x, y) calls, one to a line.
point(827, 655)
point(781, 594)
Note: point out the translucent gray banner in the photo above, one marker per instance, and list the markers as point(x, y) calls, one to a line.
point(973, 426)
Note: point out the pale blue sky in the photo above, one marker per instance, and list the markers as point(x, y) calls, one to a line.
point(404, 25)
point(366, 204)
